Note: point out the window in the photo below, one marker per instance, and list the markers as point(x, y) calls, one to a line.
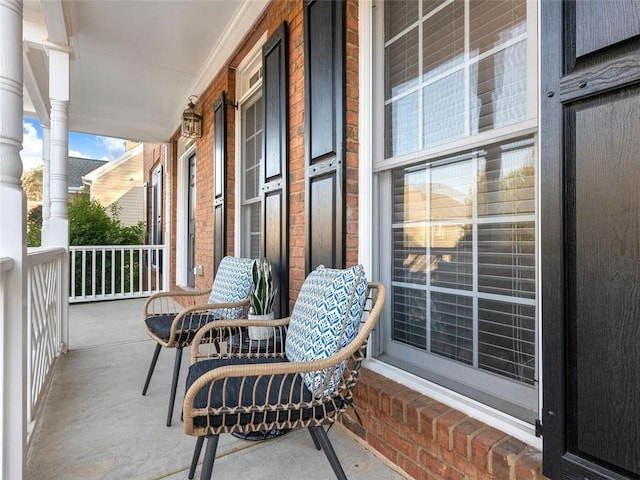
point(251, 161)
point(457, 165)
point(250, 148)
point(156, 215)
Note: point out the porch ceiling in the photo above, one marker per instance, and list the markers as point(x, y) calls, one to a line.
point(134, 63)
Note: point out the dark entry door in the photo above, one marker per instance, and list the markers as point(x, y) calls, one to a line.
point(590, 221)
point(191, 225)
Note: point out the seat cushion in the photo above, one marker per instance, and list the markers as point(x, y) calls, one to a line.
point(256, 391)
point(232, 283)
point(160, 326)
point(325, 318)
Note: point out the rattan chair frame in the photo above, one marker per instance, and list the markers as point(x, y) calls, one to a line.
point(328, 402)
point(191, 312)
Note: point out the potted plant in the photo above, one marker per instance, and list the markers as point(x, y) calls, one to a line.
point(261, 299)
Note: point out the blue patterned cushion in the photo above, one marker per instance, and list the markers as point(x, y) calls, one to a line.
point(232, 283)
point(325, 318)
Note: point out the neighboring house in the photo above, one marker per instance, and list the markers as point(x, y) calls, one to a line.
point(77, 169)
point(120, 182)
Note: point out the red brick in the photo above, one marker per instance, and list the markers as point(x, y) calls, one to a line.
point(399, 404)
point(464, 433)
point(481, 445)
point(388, 393)
point(383, 447)
point(409, 466)
point(429, 414)
point(503, 457)
point(400, 444)
point(529, 465)
point(413, 407)
point(445, 425)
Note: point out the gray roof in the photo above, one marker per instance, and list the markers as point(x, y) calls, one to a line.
point(78, 167)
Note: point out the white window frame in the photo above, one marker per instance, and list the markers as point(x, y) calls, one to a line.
point(182, 214)
point(372, 208)
point(249, 66)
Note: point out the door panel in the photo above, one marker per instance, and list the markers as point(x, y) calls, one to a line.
point(590, 224)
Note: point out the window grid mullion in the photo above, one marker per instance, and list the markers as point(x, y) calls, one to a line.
point(467, 72)
point(474, 254)
point(421, 77)
point(428, 252)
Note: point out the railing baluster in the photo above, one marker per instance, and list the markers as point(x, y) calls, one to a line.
point(84, 273)
point(93, 272)
point(124, 268)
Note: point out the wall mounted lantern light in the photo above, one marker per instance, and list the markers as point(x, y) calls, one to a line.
point(191, 121)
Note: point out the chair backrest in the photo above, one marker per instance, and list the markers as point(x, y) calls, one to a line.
point(232, 283)
point(325, 318)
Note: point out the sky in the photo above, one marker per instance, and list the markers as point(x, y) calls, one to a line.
point(80, 145)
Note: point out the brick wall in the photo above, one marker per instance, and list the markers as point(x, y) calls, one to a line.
point(432, 441)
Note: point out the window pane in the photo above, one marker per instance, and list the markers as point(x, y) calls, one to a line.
point(410, 255)
point(452, 327)
point(401, 126)
point(444, 111)
point(409, 195)
point(409, 322)
point(255, 210)
point(506, 259)
point(506, 339)
point(398, 15)
point(495, 22)
point(401, 64)
point(499, 89)
point(451, 191)
point(506, 180)
point(452, 256)
point(443, 40)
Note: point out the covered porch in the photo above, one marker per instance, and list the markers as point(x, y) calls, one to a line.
point(95, 424)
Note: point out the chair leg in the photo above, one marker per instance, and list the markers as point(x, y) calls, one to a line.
point(196, 457)
point(314, 437)
point(151, 368)
point(174, 384)
point(323, 439)
point(209, 457)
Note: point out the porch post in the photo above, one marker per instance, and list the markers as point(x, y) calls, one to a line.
point(46, 180)
point(58, 224)
point(13, 212)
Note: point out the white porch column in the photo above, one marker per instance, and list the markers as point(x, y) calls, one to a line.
point(46, 180)
point(57, 234)
point(13, 213)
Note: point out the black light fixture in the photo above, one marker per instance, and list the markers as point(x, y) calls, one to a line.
point(191, 121)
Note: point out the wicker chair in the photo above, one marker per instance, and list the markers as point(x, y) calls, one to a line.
point(301, 377)
point(173, 325)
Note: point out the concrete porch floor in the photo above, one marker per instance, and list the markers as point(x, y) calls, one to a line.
point(95, 424)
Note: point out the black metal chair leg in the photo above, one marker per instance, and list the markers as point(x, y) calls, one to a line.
point(314, 436)
point(323, 439)
point(209, 457)
point(174, 384)
point(151, 368)
point(196, 457)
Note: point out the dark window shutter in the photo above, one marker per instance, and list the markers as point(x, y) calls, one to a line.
point(275, 218)
point(325, 201)
point(220, 160)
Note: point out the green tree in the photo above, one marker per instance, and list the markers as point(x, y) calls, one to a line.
point(34, 227)
point(32, 183)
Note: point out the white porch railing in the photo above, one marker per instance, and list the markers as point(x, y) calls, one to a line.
point(114, 272)
point(46, 328)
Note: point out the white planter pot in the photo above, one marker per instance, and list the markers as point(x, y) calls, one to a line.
point(260, 333)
